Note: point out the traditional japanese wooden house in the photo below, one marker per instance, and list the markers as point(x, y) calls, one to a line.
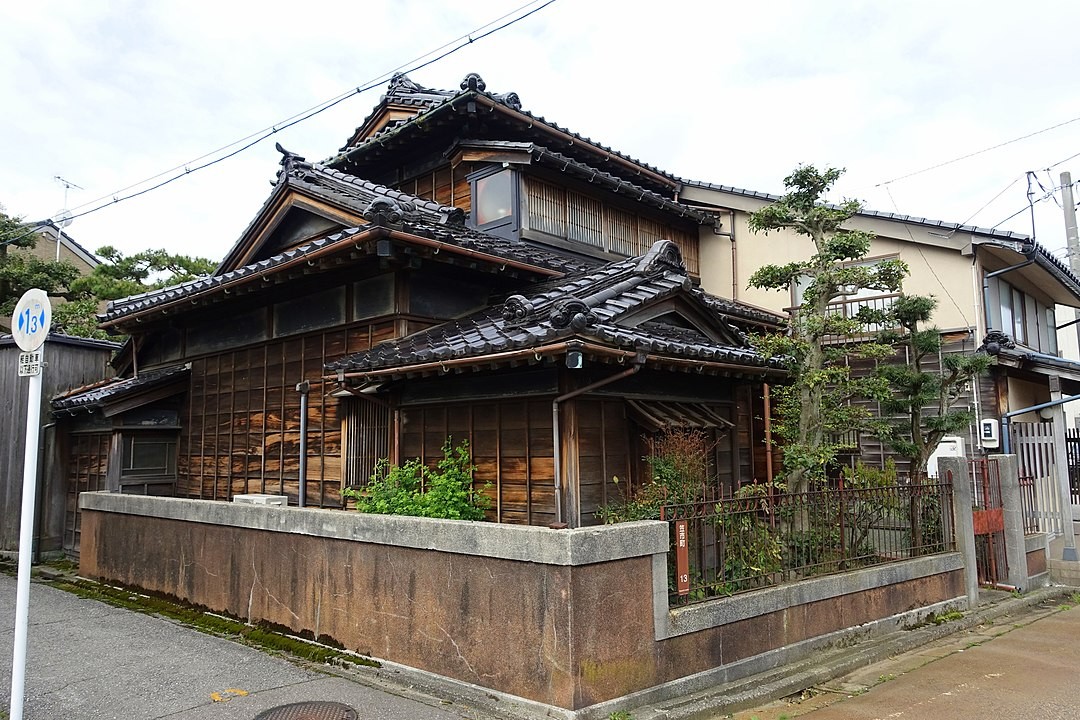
point(461, 269)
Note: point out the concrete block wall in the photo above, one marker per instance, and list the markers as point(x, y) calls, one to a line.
point(574, 620)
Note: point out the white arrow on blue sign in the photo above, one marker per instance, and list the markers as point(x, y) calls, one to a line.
point(31, 320)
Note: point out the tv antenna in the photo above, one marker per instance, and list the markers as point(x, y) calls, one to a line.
point(63, 217)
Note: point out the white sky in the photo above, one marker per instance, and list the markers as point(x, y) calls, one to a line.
point(107, 94)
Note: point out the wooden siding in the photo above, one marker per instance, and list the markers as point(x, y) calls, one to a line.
point(241, 423)
point(554, 210)
point(447, 184)
point(512, 449)
point(67, 366)
point(87, 471)
point(604, 453)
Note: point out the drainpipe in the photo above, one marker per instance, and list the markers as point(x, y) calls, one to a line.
point(986, 281)
point(638, 361)
point(303, 388)
point(1005, 445)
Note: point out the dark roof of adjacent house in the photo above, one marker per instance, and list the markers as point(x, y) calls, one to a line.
point(429, 102)
point(72, 340)
point(595, 306)
point(98, 394)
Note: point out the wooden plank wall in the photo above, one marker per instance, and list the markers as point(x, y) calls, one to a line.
point(604, 452)
point(511, 448)
point(87, 471)
point(241, 429)
point(446, 185)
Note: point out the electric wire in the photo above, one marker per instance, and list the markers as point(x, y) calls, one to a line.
point(930, 265)
point(462, 42)
point(978, 152)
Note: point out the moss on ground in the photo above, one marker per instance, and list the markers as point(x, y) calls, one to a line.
point(263, 636)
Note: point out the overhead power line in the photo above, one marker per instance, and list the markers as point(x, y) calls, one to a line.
point(185, 169)
point(979, 152)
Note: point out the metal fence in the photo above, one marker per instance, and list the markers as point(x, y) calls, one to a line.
point(726, 546)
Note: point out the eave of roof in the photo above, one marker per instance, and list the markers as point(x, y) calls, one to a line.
point(496, 252)
point(585, 309)
point(896, 217)
point(473, 89)
point(99, 394)
point(71, 340)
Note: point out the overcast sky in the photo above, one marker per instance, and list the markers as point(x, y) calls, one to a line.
point(108, 94)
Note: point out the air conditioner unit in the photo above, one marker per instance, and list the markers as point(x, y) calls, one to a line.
point(261, 499)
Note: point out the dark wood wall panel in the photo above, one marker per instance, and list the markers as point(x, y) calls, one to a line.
point(511, 449)
point(242, 418)
point(603, 453)
point(87, 469)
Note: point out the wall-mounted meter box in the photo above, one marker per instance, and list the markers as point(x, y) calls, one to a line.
point(990, 434)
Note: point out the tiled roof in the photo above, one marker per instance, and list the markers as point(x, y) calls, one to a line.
point(427, 100)
point(912, 219)
point(91, 396)
point(563, 163)
point(593, 305)
point(385, 208)
point(1043, 256)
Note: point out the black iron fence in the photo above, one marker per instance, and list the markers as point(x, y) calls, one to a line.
point(725, 546)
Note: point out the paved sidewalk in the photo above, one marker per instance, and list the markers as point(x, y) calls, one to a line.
point(88, 660)
point(1022, 667)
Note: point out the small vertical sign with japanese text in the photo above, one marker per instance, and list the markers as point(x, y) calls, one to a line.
point(682, 559)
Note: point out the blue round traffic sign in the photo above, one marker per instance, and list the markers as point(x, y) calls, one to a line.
point(31, 320)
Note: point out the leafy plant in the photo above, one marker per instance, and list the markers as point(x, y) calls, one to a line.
point(679, 465)
point(412, 489)
point(752, 550)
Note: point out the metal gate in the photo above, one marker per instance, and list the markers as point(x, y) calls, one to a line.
point(989, 520)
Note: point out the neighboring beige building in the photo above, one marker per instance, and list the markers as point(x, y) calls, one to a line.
point(45, 249)
point(984, 280)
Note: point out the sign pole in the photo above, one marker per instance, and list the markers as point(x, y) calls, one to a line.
point(29, 327)
point(26, 540)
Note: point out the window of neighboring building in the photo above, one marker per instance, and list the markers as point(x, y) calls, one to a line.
point(1018, 314)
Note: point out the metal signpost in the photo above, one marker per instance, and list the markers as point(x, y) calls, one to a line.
point(29, 327)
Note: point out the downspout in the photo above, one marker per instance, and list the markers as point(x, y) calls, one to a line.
point(986, 281)
point(1005, 445)
point(303, 388)
point(734, 260)
point(638, 361)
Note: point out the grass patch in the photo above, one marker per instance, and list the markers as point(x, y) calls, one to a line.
point(263, 636)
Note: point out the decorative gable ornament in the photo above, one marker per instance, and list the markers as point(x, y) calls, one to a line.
point(517, 308)
point(573, 313)
point(386, 210)
point(663, 255)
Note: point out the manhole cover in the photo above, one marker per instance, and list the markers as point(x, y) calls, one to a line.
point(309, 711)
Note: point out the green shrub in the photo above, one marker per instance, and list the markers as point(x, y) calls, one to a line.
point(412, 489)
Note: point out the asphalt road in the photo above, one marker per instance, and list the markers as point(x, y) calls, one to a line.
point(87, 660)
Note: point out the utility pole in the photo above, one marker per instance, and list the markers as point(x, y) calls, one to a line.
point(1072, 238)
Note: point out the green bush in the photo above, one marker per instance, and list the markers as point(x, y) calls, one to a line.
point(411, 489)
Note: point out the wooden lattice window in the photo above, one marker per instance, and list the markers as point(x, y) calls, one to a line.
point(365, 434)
